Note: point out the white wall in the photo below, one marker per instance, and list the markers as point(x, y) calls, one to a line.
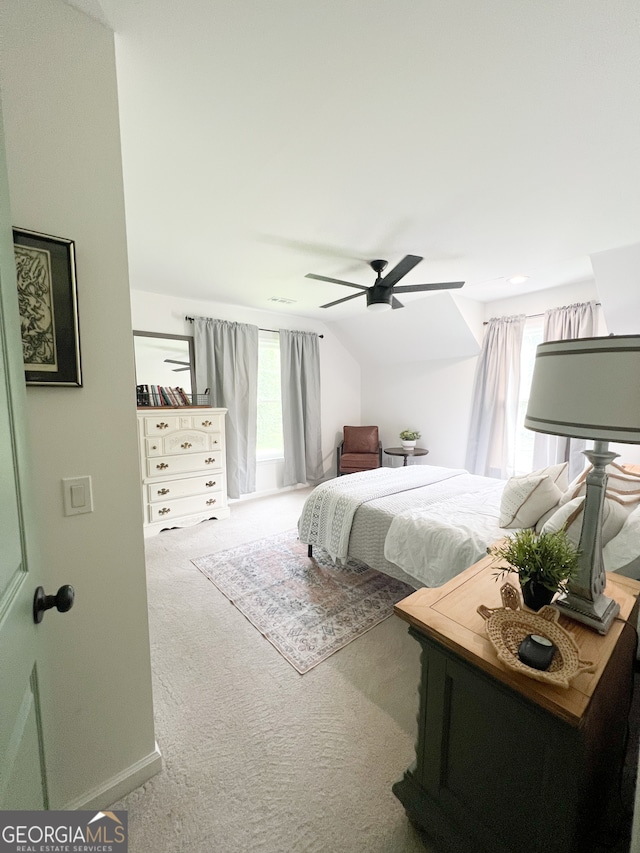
point(618, 276)
point(340, 373)
point(57, 73)
point(433, 397)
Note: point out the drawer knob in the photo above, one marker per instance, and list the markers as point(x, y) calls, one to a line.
point(162, 466)
point(211, 501)
point(210, 484)
point(209, 461)
point(206, 423)
point(162, 425)
point(154, 446)
point(163, 491)
point(186, 445)
point(164, 510)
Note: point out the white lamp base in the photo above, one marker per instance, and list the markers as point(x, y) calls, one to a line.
point(585, 600)
point(598, 614)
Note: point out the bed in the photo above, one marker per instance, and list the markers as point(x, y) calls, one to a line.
point(424, 524)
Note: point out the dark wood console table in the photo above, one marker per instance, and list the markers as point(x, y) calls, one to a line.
point(406, 452)
point(503, 762)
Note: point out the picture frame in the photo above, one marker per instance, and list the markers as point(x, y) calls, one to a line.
point(48, 304)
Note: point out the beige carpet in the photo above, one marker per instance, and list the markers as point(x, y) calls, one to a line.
point(257, 758)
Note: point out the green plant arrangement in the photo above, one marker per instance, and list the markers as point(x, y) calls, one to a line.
point(544, 563)
point(409, 435)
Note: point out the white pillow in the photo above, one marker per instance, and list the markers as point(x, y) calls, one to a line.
point(540, 523)
point(625, 547)
point(526, 498)
point(568, 517)
point(559, 474)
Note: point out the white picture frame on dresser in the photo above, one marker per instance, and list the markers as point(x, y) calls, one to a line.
point(182, 466)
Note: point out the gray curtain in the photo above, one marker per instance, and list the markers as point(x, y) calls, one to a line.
point(570, 321)
point(300, 374)
point(226, 356)
point(494, 412)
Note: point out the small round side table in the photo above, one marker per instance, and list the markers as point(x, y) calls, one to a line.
point(406, 452)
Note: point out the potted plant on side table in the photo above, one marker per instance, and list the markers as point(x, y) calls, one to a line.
point(544, 563)
point(408, 437)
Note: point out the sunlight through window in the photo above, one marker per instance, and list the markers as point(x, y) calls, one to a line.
point(269, 443)
point(533, 333)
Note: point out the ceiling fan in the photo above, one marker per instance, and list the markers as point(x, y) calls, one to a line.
point(381, 294)
point(187, 366)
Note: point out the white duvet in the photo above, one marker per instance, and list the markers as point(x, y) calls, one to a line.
point(436, 542)
point(328, 512)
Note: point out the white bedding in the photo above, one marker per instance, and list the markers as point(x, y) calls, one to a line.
point(423, 524)
point(434, 543)
point(328, 513)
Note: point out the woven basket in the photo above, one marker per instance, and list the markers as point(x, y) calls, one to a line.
point(507, 627)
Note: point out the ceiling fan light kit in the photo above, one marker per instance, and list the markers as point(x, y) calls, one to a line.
point(381, 294)
point(378, 306)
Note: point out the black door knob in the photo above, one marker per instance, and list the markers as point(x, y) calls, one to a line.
point(62, 601)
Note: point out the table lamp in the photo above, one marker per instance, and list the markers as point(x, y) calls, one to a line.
point(589, 388)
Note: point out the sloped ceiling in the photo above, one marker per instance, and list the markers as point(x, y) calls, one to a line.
point(265, 140)
point(434, 328)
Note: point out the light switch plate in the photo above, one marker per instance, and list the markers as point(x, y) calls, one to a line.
point(77, 495)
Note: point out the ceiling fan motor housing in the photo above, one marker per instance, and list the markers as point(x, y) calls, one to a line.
point(379, 296)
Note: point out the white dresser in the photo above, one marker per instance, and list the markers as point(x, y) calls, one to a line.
point(182, 457)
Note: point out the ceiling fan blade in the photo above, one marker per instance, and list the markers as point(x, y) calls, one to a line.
point(175, 361)
point(345, 299)
point(335, 281)
point(180, 369)
point(414, 288)
point(395, 303)
point(401, 269)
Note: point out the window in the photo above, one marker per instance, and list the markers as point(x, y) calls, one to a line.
point(269, 443)
point(533, 334)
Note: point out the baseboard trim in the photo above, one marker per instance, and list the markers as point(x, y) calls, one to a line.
point(268, 493)
point(119, 786)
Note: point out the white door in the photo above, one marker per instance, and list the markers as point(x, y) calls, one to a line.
point(22, 768)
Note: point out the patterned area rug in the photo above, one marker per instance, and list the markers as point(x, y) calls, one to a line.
point(307, 608)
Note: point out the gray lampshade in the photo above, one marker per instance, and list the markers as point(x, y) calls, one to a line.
point(587, 388)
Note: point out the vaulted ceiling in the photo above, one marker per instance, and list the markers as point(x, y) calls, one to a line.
point(266, 140)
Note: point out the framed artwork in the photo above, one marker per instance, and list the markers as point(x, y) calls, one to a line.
point(48, 303)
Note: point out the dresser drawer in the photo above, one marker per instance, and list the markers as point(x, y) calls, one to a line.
point(208, 422)
point(169, 510)
point(186, 441)
point(168, 466)
point(161, 424)
point(183, 442)
point(184, 488)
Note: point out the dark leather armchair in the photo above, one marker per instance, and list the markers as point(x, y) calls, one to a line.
point(360, 450)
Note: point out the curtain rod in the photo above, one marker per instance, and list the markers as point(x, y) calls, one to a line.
point(275, 331)
point(531, 316)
